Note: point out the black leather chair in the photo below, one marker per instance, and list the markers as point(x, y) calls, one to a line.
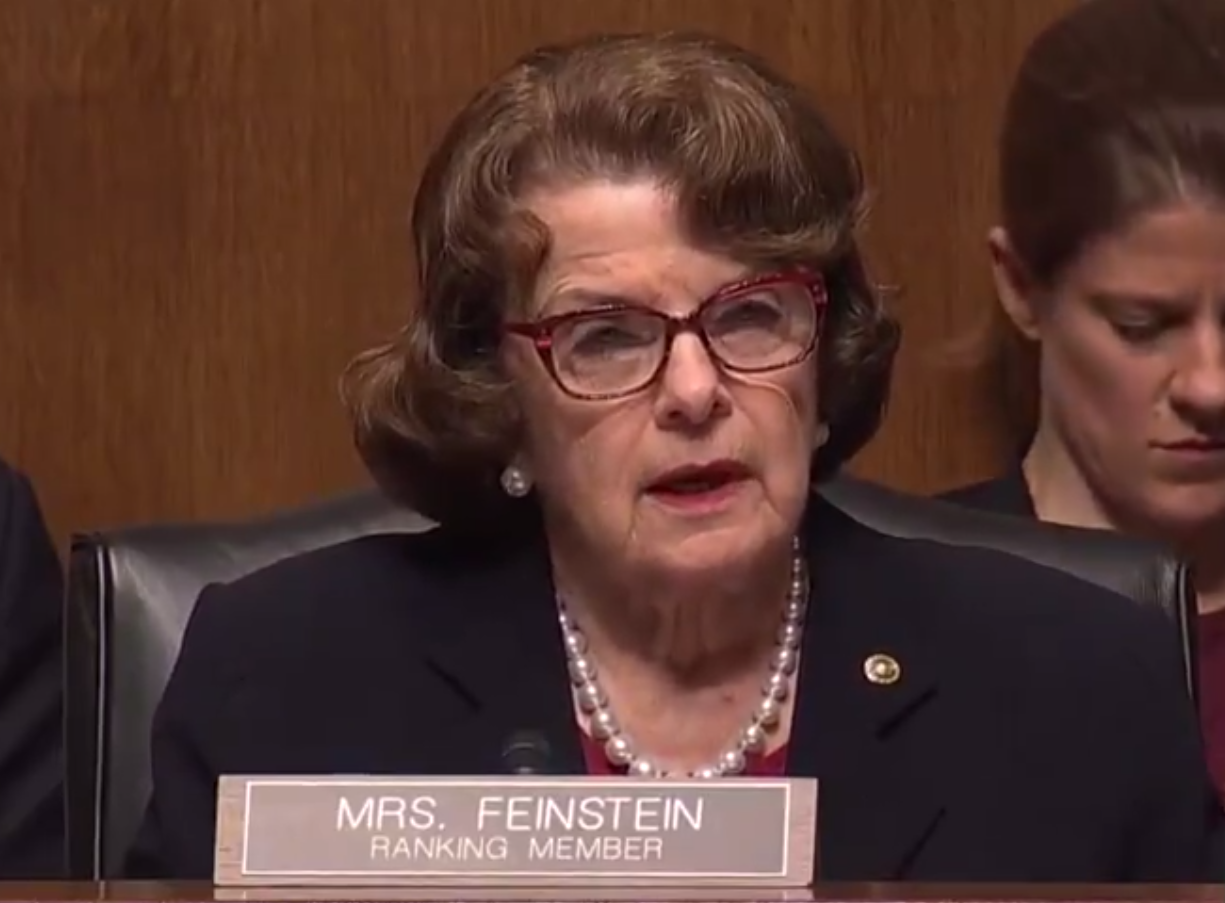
point(131, 591)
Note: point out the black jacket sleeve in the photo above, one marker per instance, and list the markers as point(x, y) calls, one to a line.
point(31, 689)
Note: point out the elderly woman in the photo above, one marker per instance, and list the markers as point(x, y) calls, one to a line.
point(641, 333)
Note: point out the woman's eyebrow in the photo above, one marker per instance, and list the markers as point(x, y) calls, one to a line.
point(579, 299)
point(1141, 300)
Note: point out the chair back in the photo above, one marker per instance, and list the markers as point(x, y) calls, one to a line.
point(130, 594)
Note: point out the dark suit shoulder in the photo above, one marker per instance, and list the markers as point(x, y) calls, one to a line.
point(1034, 599)
point(316, 601)
point(365, 570)
point(1004, 494)
point(1001, 621)
point(10, 478)
point(1058, 657)
point(1036, 611)
point(373, 569)
point(982, 491)
point(367, 602)
point(22, 528)
point(31, 686)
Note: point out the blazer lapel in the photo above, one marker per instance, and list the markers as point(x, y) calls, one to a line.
point(502, 650)
point(1013, 493)
point(868, 688)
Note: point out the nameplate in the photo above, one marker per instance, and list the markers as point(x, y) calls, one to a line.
point(515, 831)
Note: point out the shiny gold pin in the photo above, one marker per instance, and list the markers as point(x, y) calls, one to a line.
point(882, 670)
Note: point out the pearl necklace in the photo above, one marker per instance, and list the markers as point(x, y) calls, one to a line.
point(620, 749)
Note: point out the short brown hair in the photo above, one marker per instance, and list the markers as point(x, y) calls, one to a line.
point(1118, 108)
point(758, 175)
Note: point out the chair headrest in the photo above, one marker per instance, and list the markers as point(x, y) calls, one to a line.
point(187, 556)
point(231, 547)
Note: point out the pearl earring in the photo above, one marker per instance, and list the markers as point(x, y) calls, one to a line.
point(822, 435)
point(515, 482)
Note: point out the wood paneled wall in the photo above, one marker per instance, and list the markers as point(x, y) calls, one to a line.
point(203, 215)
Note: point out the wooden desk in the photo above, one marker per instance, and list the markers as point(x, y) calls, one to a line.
point(136, 892)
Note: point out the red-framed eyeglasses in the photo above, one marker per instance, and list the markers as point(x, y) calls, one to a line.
point(764, 323)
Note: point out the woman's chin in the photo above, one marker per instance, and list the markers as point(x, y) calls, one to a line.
point(1187, 512)
point(708, 549)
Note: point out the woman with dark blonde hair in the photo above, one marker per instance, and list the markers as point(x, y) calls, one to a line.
point(1110, 266)
point(641, 334)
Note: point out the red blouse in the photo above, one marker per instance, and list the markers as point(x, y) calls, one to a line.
point(1211, 641)
point(773, 765)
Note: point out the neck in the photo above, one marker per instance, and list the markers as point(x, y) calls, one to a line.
point(682, 660)
point(1059, 491)
point(1062, 495)
point(688, 630)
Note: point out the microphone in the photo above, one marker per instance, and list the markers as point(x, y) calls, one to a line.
point(526, 752)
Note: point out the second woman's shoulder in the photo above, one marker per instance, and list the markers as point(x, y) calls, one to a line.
point(1006, 493)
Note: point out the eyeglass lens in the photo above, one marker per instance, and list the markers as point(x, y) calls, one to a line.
point(760, 328)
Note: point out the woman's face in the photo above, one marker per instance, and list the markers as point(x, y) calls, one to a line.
point(602, 467)
point(1133, 367)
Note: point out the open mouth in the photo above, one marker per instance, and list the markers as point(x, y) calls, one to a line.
point(699, 484)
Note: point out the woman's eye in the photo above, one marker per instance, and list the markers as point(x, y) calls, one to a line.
point(1139, 331)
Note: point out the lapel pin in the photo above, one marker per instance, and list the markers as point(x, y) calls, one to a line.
point(882, 670)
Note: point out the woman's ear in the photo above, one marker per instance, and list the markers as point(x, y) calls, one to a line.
point(1013, 284)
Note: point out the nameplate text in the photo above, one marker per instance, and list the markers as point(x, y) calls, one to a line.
point(515, 831)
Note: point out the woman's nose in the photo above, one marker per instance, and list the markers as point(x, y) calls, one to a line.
point(691, 387)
